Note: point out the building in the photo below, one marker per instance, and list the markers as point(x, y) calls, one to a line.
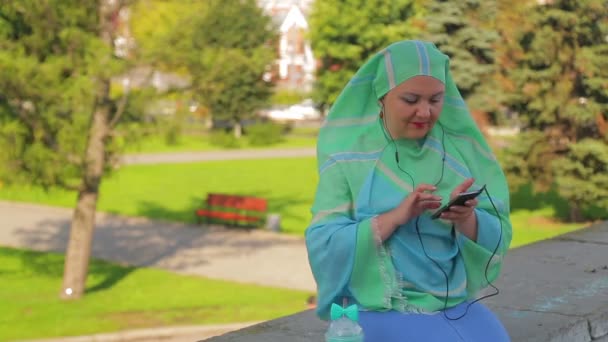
point(295, 67)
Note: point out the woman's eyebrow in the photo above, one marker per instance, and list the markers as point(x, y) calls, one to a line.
point(418, 95)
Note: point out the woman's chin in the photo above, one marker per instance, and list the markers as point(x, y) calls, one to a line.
point(416, 134)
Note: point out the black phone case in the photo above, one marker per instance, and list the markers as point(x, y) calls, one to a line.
point(459, 200)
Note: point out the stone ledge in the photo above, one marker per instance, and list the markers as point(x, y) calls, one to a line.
point(551, 291)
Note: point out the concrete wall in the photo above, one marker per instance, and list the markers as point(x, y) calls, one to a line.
point(555, 290)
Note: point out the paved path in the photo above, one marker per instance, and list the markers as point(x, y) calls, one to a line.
point(259, 257)
point(166, 334)
point(189, 157)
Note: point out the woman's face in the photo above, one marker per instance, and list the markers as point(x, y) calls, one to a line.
point(412, 108)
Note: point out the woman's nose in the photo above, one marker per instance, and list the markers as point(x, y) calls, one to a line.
point(424, 110)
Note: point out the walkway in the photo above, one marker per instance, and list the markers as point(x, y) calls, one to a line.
point(258, 257)
point(189, 157)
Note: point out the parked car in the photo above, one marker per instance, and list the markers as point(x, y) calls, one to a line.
point(304, 110)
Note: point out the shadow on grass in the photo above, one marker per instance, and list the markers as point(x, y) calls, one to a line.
point(109, 273)
point(525, 198)
point(105, 274)
point(276, 204)
point(153, 210)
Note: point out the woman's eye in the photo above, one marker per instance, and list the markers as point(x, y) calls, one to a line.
point(410, 100)
point(436, 100)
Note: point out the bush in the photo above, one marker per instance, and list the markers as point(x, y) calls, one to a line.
point(173, 134)
point(265, 134)
point(287, 97)
point(224, 139)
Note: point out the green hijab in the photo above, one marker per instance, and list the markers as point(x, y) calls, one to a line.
point(357, 109)
point(353, 137)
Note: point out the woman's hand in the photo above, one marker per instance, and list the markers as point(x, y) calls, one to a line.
point(416, 203)
point(459, 214)
point(413, 205)
point(463, 217)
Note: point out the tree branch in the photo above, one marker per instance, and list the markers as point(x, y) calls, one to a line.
point(120, 109)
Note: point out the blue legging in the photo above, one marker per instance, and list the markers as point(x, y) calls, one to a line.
point(479, 324)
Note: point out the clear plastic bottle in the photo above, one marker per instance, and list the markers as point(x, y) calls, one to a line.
point(344, 330)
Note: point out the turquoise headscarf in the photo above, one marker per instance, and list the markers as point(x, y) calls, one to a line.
point(358, 179)
point(356, 109)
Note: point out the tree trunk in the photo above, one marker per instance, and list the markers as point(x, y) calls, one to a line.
point(238, 130)
point(576, 214)
point(83, 221)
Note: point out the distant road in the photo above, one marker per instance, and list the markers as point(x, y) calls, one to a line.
point(190, 157)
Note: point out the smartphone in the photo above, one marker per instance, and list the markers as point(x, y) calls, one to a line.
point(458, 200)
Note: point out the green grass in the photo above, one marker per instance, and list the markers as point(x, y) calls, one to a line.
point(173, 191)
point(535, 225)
point(188, 143)
point(123, 298)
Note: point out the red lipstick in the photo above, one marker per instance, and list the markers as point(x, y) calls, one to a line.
point(419, 125)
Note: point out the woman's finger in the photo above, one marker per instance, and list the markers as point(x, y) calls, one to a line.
point(472, 203)
point(428, 197)
point(460, 209)
point(430, 205)
point(425, 187)
point(462, 187)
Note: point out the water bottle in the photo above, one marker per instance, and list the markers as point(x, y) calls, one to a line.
point(344, 326)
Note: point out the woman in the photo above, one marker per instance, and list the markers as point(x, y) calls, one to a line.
point(398, 143)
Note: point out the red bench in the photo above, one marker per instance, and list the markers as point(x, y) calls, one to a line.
point(234, 210)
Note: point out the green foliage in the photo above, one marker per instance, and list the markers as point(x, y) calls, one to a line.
point(465, 31)
point(345, 34)
point(121, 298)
point(582, 175)
point(556, 74)
point(225, 47)
point(523, 160)
point(52, 59)
point(265, 134)
point(224, 139)
point(155, 24)
point(231, 85)
point(287, 97)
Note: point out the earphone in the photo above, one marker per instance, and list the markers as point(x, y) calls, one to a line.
point(387, 134)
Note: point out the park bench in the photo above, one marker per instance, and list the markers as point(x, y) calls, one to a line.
point(233, 210)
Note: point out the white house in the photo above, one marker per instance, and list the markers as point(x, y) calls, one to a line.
point(296, 65)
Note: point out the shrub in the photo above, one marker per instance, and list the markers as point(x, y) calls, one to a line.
point(224, 139)
point(265, 134)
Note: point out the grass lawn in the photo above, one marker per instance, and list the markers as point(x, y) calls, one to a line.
point(187, 143)
point(534, 225)
point(123, 298)
point(173, 191)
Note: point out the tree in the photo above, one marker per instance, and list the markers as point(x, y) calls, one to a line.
point(238, 43)
point(344, 34)
point(57, 113)
point(466, 31)
point(556, 69)
point(225, 48)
